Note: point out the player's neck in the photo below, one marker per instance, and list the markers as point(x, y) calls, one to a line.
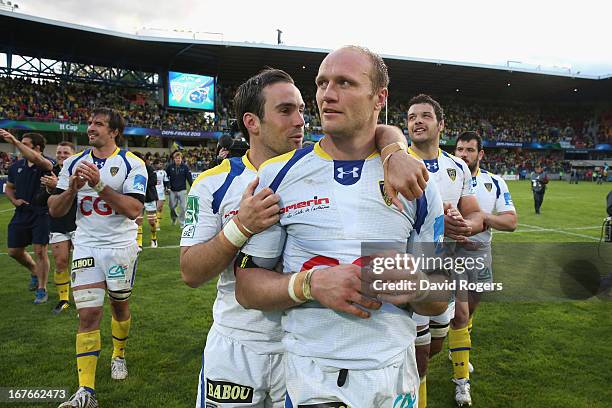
point(426, 151)
point(345, 148)
point(104, 151)
point(257, 156)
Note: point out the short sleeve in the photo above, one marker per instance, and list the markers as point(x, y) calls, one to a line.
point(201, 223)
point(468, 189)
point(504, 201)
point(136, 179)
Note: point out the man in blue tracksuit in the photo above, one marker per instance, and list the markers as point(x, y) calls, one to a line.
point(179, 176)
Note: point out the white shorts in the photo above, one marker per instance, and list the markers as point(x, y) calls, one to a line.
point(310, 384)
point(115, 266)
point(56, 237)
point(161, 195)
point(150, 206)
point(233, 375)
point(443, 318)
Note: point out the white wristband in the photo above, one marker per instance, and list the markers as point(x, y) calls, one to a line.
point(291, 290)
point(234, 235)
point(99, 187)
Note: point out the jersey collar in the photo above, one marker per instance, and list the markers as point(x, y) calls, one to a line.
point(247, 163)
point(414, 154)
point(323, 154)
point(111, 156)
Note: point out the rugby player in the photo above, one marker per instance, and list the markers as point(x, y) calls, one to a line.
point(462, 218)
point(62, 230)
point(499, 213)
point(243, 352)
point(109, 184)
point(30, 222)
point(162, 182)
point(343, 348)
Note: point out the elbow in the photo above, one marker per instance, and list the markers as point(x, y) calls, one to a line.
point(242, 296)
point(132, 214)
point(188, 275)
point(512, 226)
point(189, 281)
point(431, 308)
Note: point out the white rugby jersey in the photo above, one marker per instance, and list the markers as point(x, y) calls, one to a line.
point(162, 177)
point(213, 200)
point(328, 209)
point(98, 225)
point(493, 197)
point(452, 176)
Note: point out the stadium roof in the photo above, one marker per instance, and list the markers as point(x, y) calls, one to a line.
point(233, 62)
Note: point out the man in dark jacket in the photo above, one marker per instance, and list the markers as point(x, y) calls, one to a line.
point(179, 176)
point(538, 186)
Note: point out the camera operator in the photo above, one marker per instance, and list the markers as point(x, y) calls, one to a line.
point(539, 179)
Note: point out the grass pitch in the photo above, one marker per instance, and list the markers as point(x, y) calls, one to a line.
point(526, 354)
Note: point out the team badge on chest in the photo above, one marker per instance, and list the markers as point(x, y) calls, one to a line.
point(114, 170)
point(488, 186)
point(381, 186)
point(452, 173)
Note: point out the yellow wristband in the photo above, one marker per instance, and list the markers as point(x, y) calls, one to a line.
point(307, 285)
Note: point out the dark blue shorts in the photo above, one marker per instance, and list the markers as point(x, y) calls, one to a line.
point(28, 228)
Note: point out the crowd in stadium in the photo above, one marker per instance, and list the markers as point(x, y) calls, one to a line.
point(22, 99)
point(26, 99)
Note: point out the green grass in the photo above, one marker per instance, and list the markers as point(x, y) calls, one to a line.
point(526, 354)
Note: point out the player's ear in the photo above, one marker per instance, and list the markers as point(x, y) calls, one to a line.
point(381, 97)
point(481, 154)
point(441, 125)
point(251, 122)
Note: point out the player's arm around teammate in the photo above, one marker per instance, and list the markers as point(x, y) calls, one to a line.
point(203, 262)
point(404, 174)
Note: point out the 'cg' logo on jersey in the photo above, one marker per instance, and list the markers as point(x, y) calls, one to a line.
point(347, 172)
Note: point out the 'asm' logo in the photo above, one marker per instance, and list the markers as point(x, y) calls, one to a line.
point(89, 205)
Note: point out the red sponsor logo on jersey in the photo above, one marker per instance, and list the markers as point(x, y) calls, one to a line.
point(90, 204)
point(312, 204)
point(230, 213)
